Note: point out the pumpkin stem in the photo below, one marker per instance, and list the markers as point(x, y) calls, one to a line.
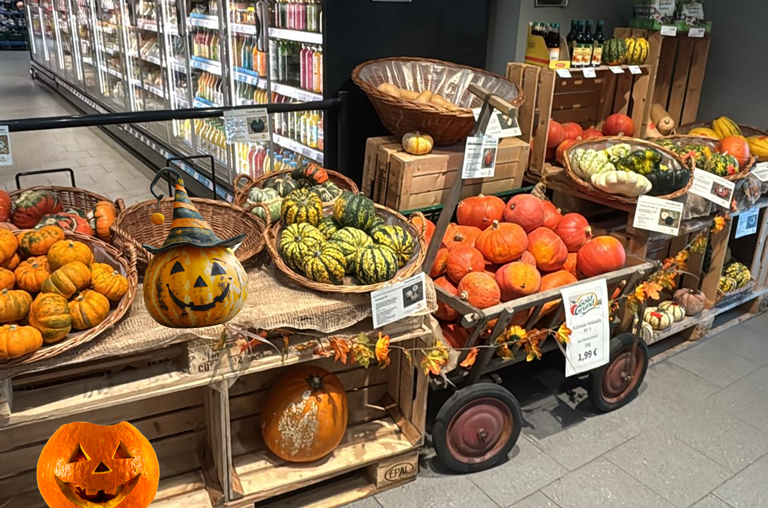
point(315, 382)
point(464, 296)
point(495, 224)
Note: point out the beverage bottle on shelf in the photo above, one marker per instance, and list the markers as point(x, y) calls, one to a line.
point(597, 44)
point(256, 57)
point(302, 18)
point(238, 50)
point(215, 47)
point(282, 62)
point(295, 64)
point(317, 71)
point(314, 126)
point(571, 35)
point(553, 41)
point(294, 165)
point(291, 126)
point(575, 48)
point(273, 59)
point(303, 128)
point(588, 43)
point(312, 13)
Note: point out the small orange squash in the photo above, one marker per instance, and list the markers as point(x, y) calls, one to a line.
point(502, 242)
point(67, 280)
point(103, 216)
point(12, 262)
point(600, 255)
point(422, 222)
point(8, 244)
point(49, 314)
point(460, 236)
point(88, 309)
point(445, 312)
point(417, 143)
point(14, 305)
point(16, 341)
point(66, 251)
point(570, 264)
point(517, 280)
point(552, 214)
point(479, 211)
point(548, 249)
point(463, 260)
point(526, 211)
point(479, 290)
point(108, 281)
point(555, 280)
point(31, 273)
point(37, 242)
point(7, 279)
point(439, 266)
point(305, 414)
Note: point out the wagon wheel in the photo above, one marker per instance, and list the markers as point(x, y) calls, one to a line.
point(615, 384)
point(477, 427)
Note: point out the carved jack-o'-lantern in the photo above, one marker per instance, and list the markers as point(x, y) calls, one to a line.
point(84, 465)
point(194, 279)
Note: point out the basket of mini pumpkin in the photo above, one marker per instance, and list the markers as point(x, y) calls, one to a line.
point(432, 96)
point(64, 289)
point(352, 246)
point(622, 169)
point(728, 158)
point(271, 188)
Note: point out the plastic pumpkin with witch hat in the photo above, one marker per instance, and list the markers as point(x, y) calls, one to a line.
point(194, 279)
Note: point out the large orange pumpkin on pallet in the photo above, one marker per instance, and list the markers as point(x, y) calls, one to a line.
point(460, 236)
point(601, 255)
point(526, 211)
point(479, 211)
point(304, 416)
point(502, 242)
point(574, 231)
point(517, 280)
point(479, 290)
point(463, 260)
point(555, 280)
point(548, 249)
point(90, 466)
point(446, 312)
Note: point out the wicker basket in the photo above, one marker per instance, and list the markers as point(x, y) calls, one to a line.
point(244, 183)
point(636, 144)
point(349, 286)
point(723, 298)
point(683, 139)
point(103, 253)
point(746, 130)
point(446, 126)
point(133, 226)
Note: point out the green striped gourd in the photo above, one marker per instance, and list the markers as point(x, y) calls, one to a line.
point(722, 164)
point(614, 52)
point(350, 241)
point(354, 210)
point(738, 271)
point(302, 206)
point(637, 50)
point(699, 153)
point(728, 284)
point(268, 197)
point(397, 239)
point(327, 192)
point(375, 263)
point(283, 184)
point(377, 224)
point(325, 263)
point(328, 226)
point(297, 241)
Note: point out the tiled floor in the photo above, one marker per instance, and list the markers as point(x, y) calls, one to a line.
point(99, 163)
point(697, 436)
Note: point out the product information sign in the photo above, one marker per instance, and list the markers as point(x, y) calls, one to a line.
point(616, 69)
point(761, 171)
point(660, 215)
point(712, 188)
point(635, 69)
point(697, 32)
point(668, 30)
point(747, 223)
point(6, 158)
point(398, 301)
point(500, 125)
point(246, 126)
point(480, 157)
point(589, 72)
point(563, 73)
point(586, 314)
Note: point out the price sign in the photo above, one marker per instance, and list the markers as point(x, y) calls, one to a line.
point(616, 69)
point(563, 73)
point(761, 171)
point(696, 32)
point(747, 223)
point(668, 30)
point(586, 314)
point(398, 301)
point(589, 72)
point(6, 158)
point(660, 215)
point(246, 125)
point(480, 157)
point(634, 69)
point(712, 188)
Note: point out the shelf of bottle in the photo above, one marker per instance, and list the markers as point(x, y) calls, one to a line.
point(296, 93)
point(155, 90)
point(113, 72)
point(199, 102)
point(203, 21)
point(204, 64)
point(297, 147)
point(240, 28)
point(296, 35)
point(250, 77)
point(177, 65)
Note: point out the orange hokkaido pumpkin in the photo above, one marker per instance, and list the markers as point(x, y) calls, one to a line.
point(479, 290)
point(305, 414)
point(90, 466)
point(517, 280)
point(574, 231)
point(548, 249)
point(528, 258)
point(736, 146)
point(420, 222)
point(460, 236)
point(446, 312)
point(572, 130)
point(619, 124)
point(525, 211)
point(438, 267)
point(552, 214)
point(555, 134)
point(479, 211)
point(570, 264)
point(561, 148)
point(601, 255)
point(455, 335)
point(502, 242)
point(463, 260)
point(591, 133)
point(5, 206)
point(555, 280)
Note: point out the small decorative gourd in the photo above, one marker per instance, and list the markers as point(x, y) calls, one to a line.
point(67, 280)
point(66, 251)
point(269, 198)
point(8, 244)
point(16, 341)
point(327, 192)
point(646, 332)
point(354, 210)
point(302, 206)
point(108, 281)
point(14, 305)
point(657, 318)
point(310, 172)
point(296, 242)
point(38, 241)
point(88, 309)
point(7, 279)
point(417, 143)
point(676, 311)
point(593, 162)
point(622, 183)
point(692, 300)
point(350, 241)
point(325, 263)
point(284, 184)
point(327, 227)
point(727, 284)
point(375, 263)
point(49, 314)
point(738, 271)
point(398, 239)
point(31, 274)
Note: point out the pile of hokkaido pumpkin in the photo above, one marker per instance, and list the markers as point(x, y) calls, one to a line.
point(34, 209)
point(499, 252)
point(563, 136)
point(49, 286)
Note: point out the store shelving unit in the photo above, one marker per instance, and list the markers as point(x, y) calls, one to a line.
point(13, 26)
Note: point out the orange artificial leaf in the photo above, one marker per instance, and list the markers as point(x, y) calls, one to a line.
point(563, 334)
point(652, 290)
point(362, 350)
point(639, 294)
point(470, 359)
point(435, 359)
point(382, 351)
point(408, 356)
point(340, 348)
point(718, 224)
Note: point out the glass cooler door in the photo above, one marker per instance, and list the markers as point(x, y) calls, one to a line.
point(86, 31)
point(179, 88)
point(109, 51)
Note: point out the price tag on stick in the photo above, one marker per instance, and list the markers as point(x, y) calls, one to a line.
point(634, 69)
point(6, 158)
point(586, 314)
point(563, 73)
point(696, 32)
point(660, 215)
point(589, 72)
point(668, 30)
point(616, 69)
point(480, 157)
point(712, 188)
point(398, 301)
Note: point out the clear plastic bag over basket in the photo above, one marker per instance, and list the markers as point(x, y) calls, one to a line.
point(451, 81)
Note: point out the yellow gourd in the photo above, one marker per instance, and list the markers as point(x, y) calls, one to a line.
point(417, 143)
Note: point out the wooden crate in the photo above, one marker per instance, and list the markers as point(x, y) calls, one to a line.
point(406, 182)
point(586, 101)
point(679, 64)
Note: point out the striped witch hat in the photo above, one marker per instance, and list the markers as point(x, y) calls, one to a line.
point(188, 227)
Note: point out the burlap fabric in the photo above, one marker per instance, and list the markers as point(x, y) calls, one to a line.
point(273, 302)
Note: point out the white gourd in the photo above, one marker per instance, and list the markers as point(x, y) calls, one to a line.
point(646, 332)
point(676, 311)
point(575, 158)
point(623, 183)
point(618, 151)
point(657, 318)
point(594, 162)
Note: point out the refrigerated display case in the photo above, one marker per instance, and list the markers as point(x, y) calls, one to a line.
point(13, 25)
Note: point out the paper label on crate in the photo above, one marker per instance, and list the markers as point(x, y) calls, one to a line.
point(246, 125)
point(697, 32)
point(500, 125)
point(660, 215)
point(586, 314)
point(398, 301)
point(616, 69)
point(712, 188)
point(668, 30)
point(761, 171)
point(563, 73)
point(589, 72)
point(479, 157)
point(6, 157)
point(635, 69)
point(747, 223)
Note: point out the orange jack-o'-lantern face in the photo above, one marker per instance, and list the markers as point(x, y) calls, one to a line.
point(97, 466)
point(190, 287)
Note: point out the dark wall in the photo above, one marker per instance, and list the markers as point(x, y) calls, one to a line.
point(361, 30)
